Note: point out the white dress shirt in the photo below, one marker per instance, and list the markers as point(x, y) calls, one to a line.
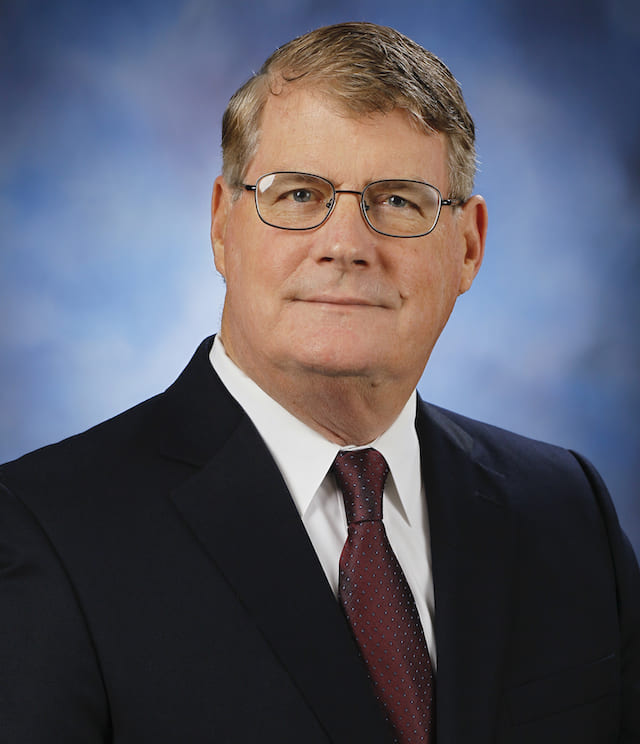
point(304, 458)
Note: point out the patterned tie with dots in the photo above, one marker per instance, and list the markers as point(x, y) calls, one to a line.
point(379, 605)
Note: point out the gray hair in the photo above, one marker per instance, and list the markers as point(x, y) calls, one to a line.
point(364, 68)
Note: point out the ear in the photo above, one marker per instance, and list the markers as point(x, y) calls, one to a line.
point(473, 225)
point(220, 207)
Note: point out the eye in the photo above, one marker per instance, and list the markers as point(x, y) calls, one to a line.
point(301, 195)
point(397, 201)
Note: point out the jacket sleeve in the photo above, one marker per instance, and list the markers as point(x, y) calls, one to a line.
point(51, 691)
point(627, 577)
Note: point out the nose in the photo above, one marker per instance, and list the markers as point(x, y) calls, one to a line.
point(345, 237)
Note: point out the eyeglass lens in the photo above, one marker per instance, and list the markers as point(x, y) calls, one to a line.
point(299, 201)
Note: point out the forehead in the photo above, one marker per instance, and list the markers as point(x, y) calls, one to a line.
point(304, 130)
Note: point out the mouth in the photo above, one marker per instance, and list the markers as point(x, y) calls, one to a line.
point(340, 300)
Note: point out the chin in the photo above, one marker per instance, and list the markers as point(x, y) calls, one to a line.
point(345, 371)
point(340, 362)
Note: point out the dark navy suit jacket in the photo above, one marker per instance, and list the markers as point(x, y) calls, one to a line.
point(157, 586)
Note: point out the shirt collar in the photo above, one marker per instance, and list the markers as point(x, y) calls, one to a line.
point(304, 456)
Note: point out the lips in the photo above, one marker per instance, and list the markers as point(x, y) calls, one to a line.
point(344, 294)
point(341, 300)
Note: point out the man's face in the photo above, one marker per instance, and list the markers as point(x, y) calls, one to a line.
point(341, 299)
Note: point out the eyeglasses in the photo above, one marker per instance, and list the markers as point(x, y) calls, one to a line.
point(398, 208)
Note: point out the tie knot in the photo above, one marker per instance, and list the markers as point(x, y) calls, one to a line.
point(360, 475)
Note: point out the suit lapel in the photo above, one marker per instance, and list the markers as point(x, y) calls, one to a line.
point(239, 509)
point(472, 544)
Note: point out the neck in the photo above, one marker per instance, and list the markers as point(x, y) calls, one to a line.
point(345, 409)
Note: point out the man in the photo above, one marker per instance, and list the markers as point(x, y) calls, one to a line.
point(209, 567)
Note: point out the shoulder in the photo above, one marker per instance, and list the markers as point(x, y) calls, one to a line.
point(551, 484)
point(497, 448)
point(78, 468)
point(107, 439)
point(153, 444)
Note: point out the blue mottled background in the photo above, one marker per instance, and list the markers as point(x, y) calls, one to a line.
point(109, 144)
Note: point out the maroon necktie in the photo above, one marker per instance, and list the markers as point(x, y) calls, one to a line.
point(379, 605)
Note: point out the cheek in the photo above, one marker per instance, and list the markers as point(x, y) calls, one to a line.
point(259, 265)
point(241, 253)
point(429, 285)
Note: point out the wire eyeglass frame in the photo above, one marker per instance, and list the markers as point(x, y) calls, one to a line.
point(364, 207)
